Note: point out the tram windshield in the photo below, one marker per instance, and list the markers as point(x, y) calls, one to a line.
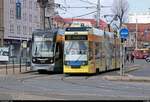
point(43, 48)
point(76, 50)
point(76, 47)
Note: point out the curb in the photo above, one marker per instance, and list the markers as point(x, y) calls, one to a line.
point(127, 78)
point(30, 71)
point(131, 68)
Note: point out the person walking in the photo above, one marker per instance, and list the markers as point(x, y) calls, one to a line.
point(127, 58)
point(132, 58)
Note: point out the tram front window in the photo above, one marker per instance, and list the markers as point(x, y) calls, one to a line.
point(76, 47)
point(43, 49)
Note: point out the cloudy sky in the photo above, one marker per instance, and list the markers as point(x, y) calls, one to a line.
point(73, 12)
point(135, 5)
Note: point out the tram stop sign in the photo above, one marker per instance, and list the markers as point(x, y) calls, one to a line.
point(124, 32)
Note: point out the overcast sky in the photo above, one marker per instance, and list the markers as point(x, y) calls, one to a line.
point(135, 5)
point(73, 12)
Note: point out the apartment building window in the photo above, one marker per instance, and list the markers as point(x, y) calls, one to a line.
point(30, 4)
point(30, 30)
point(30, 17)
point(11, 28)
point(18, 29)
point(24, 30)
point(35, 19)
point(11, 1)
point(18, 10)
point(24, 17)
point(24, 3)
point(11, 13)
point(36, 5)
point(38, 26)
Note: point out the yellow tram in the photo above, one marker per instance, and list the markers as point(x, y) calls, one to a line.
point(90, 50)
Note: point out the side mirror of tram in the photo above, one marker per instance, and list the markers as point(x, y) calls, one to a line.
point(57, 55)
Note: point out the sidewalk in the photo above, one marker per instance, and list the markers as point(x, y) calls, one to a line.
point(13, 71)
point(128, 77)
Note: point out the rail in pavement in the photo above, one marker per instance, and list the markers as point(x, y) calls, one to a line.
point(16, 70)
point(128, 77)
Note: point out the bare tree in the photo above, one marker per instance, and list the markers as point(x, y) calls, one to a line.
point(120, 9)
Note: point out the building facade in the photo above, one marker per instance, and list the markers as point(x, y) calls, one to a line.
point(139, 28)
point(1, 21)
point(18, 19)
point(139, 31)
point(21, 17)
point(139, 17)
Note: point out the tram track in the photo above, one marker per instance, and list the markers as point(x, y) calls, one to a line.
point(46, 92)
point(69, 80)
point(102, 86)
point(64, 79)
point(25, 78)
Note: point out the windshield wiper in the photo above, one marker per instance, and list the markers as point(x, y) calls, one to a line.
point(35, 53)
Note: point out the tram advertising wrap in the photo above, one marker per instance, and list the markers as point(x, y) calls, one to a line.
point(89, 50)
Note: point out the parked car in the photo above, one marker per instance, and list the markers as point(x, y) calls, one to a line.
point(147, 59)
point(141, 53)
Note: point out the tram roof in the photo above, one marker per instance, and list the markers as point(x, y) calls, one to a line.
point(97, 32)
point(94, 31)
point(78, 29)
point(51, 32)
point(85, 29)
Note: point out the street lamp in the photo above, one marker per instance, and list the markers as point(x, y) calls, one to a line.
point(2, 36)
point(43, 4)
point(136, 34)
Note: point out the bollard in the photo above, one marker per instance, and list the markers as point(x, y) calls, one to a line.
point(26, 64)
point(6, 69)
point(13, 66)
point(20, 64)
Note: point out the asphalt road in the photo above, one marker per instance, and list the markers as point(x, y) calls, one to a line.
point(144, 69)
point(34, 86)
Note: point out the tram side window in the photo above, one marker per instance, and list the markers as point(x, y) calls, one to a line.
point(100, 50)
point(114, 51)
point(117, 51)
point(104, 49)
point(90, 50)
point(101, 53)
point(97, 47)
point(57, 51)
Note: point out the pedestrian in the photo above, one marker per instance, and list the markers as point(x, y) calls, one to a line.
point(132, 58)
point(127, 58)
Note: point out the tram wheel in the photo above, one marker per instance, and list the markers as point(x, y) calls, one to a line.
point(97, 71)
point(42, 71)
point(66, 75)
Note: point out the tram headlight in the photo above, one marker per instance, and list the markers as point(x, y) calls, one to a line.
point(84, 63)
point(33, 60)
point(66, 63)
point(51, 61)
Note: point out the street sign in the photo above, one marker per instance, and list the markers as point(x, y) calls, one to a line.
point(124, 32)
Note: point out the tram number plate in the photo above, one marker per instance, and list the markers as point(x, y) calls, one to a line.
point(42, 61)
